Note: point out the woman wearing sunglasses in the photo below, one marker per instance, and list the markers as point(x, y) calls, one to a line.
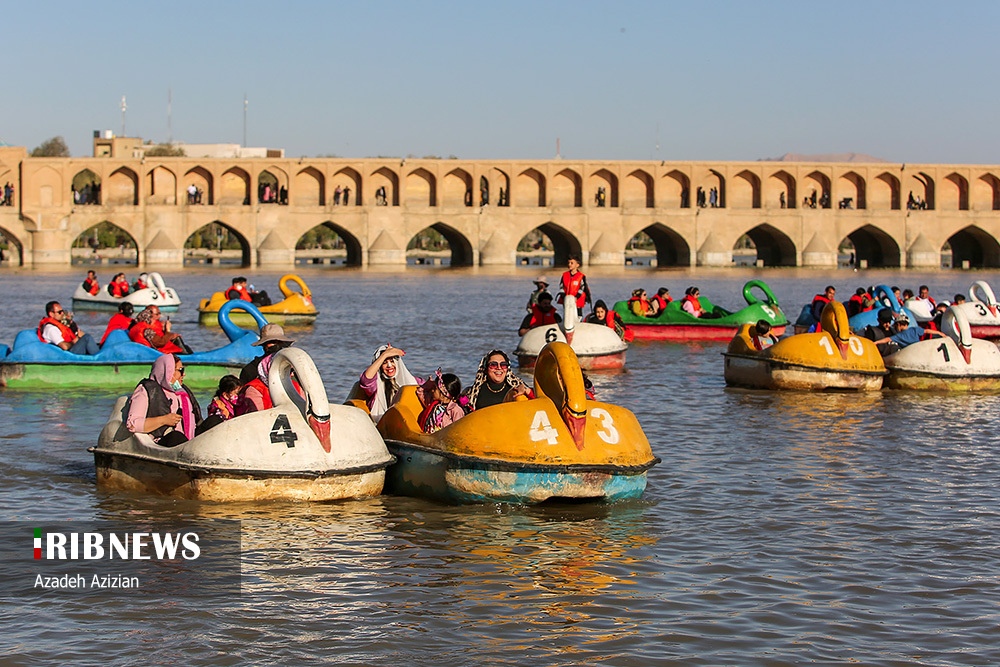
point(494, 383)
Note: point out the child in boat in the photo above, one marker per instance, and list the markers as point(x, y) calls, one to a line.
point(439, 397)
point(226, 403)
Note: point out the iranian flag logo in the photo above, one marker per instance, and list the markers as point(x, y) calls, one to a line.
point(38, 543)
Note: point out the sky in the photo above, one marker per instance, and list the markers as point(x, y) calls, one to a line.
point(902, 81)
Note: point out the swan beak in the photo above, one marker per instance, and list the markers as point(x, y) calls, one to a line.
point(966, 353)
point(321, 427)
point(577, 424)
point(993, 310)
point(843, 346)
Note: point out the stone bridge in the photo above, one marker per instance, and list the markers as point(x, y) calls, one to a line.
point(796, 213)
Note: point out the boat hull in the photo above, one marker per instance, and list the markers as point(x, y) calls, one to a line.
point(451, 478)
point(599, 362)
point(119, 375)
point(93, 305)
point(899, 379)
point(763, 373)
point(123, 473)
point(685, 332)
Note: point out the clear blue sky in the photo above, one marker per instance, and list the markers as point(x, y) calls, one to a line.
point(904, 81)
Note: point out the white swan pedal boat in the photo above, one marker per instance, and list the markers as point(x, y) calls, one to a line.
point(597, 346)
point(953, 362)
point(302, 448)
point(157, 294)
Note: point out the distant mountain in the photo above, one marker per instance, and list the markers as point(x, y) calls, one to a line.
point(825, 157)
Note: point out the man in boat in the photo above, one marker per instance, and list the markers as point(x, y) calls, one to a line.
point(541, 285)
point(54, 329)
point(924, 297)
point(542, 313)
point(240, 291)
point(861, 301)
point(574, 284)
point(90, 285)
point(120, 320)
point(142, 282)
point(255, 394)
point(150, 330)
point(820, 300)
point(892, 333)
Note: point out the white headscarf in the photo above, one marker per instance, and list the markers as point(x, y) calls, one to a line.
point(378, 403)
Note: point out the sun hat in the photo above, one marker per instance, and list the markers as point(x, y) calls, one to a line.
point(272, 333)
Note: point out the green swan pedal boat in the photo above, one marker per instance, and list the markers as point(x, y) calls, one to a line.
point(675, 324)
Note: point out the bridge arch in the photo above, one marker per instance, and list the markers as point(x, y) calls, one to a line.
point(122, 188)
point(781, 182)
point(671, 248)
point(456, 188)
point(421, 188)
point(309, 188)
point(567, 189)
point(234, 187)
point(603, 178)
point(325, 237)
point(213, 238)
point(201, 179)
point(86, 187)
point(920, 185)
point(15, 256)
point(161, 186)
point(677, 190)
point(885, 192)
point(853, 185)
point(817, 190)
point(985, 194)
point(350, 183)
point(104, 240)
point(975, 246)
point(954, 193)
point(638, 190)
point(875, 246)
point(383, 177)
point(458, 243)
point(713, 179)
point(745, 190)
point(529, 189)
point(774, 247)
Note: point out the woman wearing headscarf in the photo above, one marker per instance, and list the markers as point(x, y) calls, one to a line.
point(162, 406)
point(381, 381)
point(494, 383)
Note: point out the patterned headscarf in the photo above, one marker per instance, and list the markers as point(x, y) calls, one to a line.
point(145, 315)
point(481, 377)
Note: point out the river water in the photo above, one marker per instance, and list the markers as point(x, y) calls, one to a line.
point(780, 528)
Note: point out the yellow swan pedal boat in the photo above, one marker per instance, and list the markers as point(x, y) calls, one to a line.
point(295, 308)
point(832, 358)
point(559, 445)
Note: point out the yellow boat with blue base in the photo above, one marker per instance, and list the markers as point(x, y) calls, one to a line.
point(558, 446)
point(295, 308)
point(831, 358)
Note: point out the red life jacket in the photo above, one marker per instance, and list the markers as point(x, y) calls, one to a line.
point(643, 304)
point(693, 300)
point(821, 297)
point(259, 385)
point(118, 321)
point(135, 334)
point(573, 286)
point(118, 290)
point(67, 333)
point(661, 303)
point(540, 317)
point(91, 286)
point(614, 321)
point(237, 293)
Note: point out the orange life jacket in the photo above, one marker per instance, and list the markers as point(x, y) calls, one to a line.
point(118, 321)
point(643, 305)
point(67, 333)
point(540, 317)
point(573, 286)
point(91, 287)
point(614, 321)
point(135, 333)
point(661, 303)
point(693, 300)
point(118, 290)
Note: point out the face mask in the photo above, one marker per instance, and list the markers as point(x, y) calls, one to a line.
point(176, 386)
